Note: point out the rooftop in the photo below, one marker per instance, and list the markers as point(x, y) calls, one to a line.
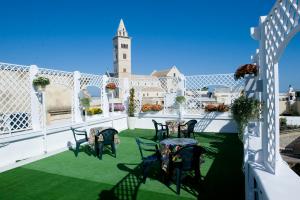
point(64, 176)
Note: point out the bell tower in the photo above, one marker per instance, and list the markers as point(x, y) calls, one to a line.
point(122, 52)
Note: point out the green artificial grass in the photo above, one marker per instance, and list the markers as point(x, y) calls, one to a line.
point(64, 176)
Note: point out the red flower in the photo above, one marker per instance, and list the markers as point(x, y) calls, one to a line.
point(245, 69)
point(150, 107)
point(111, 86)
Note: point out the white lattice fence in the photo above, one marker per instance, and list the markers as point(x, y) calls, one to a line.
point(196, 94)
point(91, 80)
point(15, 98)
point(61, 80)
point(155, 90)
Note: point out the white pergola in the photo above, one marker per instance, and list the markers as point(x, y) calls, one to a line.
point(274, 33)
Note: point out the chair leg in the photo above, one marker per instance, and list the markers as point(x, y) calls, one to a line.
point(145, 172)
point(178, 180)
point(160, 136)
point(100, 149)
point(113, 149)
point(77, 149)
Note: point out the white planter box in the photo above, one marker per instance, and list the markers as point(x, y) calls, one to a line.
point(93, 117)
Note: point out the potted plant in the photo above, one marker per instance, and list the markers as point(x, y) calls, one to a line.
point(216, 107)
point(93, 112)
point(85, 103)
point(243, 110)
point(118, 107)
point(151, 108)
point(40, 83)
point(111, 87)
point(242, 71)
point(131, 109)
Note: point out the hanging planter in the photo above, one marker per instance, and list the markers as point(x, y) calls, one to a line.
point(40, 83)
point(110, 87)
point(242, 71)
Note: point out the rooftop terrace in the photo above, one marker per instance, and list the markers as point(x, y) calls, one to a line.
point(64, 176)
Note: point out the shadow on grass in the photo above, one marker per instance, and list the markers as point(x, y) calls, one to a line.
point(88, 150)
point(225, 178)
point(127, 187)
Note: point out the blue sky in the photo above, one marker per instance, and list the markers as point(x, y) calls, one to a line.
point(199, 37)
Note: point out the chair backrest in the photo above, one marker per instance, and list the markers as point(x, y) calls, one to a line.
point(108, 135)
point(191, 125)
point(145, 147)
point(190, 156)
point(76, 132)
point(155, 124)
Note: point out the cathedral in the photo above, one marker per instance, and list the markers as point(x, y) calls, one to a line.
point(149, 87)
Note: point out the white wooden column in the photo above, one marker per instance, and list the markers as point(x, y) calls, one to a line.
point(76, 101)
point(35, 102)
point(105, 103)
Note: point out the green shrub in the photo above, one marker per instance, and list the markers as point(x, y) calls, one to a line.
point(283, 122)
point(131, 103)
point(85, 102)
point(243, 110)
point(180, 99)
point(41, 81)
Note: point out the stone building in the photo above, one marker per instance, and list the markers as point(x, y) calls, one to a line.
point(150, 88)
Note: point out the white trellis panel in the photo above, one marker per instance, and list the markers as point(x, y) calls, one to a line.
point(93, 80)
point(90, 80)
point(62, 78)
point(274, 33)
point(159, 89)
point(15, 98)
point(194, 85)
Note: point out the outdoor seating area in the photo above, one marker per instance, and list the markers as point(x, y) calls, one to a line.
point(130, 176)
point(216, 125)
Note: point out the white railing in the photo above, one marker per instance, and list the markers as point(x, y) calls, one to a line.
point(23, 109)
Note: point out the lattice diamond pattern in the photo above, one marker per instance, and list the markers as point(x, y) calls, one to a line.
point(59, 78)
point(279, 28)
point(15, 99)
point(194, 84)
point(91, 80)
point(165, 84)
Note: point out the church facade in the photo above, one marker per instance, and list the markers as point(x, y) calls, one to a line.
point(149, 88)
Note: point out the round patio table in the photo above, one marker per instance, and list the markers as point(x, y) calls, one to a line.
point(179, 142)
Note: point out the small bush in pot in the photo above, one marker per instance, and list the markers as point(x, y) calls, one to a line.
point(243, 110)
point(41, 82)
point(131, 109)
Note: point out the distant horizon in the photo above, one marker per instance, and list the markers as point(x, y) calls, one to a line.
point(198, 37)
